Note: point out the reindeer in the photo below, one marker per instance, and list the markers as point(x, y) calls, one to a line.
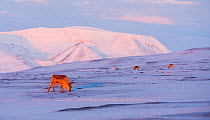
point(136, 68)
point(171, 66)
point(61, 80)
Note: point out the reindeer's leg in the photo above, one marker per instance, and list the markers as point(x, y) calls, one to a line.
point(49, 88)
point(53, 87)
point(61, 88)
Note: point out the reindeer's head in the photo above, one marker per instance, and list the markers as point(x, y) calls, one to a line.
point(67, 86)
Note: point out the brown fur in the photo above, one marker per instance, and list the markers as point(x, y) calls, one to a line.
point(136, 68)
point(171, 66)
point(61, 80)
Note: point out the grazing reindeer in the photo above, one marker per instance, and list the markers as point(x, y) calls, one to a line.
point(136, 68)
point(171, 66)
point(61, 80)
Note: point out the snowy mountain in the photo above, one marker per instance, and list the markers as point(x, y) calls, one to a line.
point(49, 46)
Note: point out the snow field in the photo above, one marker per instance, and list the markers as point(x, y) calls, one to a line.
point(100, 92)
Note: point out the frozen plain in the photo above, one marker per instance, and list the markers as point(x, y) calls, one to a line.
point(101, 93)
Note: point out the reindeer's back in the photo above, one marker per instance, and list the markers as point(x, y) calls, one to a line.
point(59, 78)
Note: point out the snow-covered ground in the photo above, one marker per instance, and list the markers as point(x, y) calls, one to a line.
point(101, 92)
point(49, 46)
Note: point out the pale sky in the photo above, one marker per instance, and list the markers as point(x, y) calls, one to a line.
point(178, 24)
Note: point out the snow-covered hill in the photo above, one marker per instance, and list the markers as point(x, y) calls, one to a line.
point(99, 92)
point(48, 46)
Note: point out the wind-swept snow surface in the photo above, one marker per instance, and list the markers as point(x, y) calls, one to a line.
point(48, 46)
point(102, 92)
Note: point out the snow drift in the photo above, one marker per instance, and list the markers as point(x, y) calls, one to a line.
point(48, 46)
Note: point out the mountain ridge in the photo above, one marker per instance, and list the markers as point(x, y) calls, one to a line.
point(48, 46)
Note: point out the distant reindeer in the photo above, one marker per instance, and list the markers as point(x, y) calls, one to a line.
point(61, 80)
point(115, 69)
point(136, 68)
point(171, 66)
